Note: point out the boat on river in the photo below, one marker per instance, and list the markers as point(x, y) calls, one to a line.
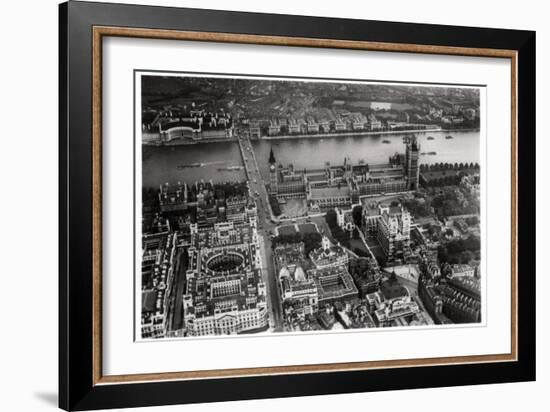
point(230, 168)
point(187, 166)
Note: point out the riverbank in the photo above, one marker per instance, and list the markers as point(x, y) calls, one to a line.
point(187, 142)
point(362, 133)
point(160, 163)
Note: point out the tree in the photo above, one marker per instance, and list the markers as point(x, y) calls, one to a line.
point(331, 219)
point(311, 241)
point(472, 242)
point(466, 256)
point(359, 252)
point(275, 207)
point(357, 214)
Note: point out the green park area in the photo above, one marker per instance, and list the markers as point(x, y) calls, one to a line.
point(306, 233)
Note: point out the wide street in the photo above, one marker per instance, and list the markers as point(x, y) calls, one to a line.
point(175, 301)
point(265, 229)
point(179, 287)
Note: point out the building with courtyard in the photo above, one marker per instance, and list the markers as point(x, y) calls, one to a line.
point(343, 185)
point(224, 292)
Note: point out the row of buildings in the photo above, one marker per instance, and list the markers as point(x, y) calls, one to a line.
point(209, 205)
point(452, 295)
point(157, 274)
point(344, 185)
point(327, 121)
point(318, 283)
point(195, 124)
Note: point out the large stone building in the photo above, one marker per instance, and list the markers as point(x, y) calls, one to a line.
point(334, 284)
point(224, 291)
point(306, 285)
point(298, 289)
point(394, 231)
point(330, 272)
point(192, 124)
point(393, 305)
point(343, 185)
point(328, 255)
point(391, 227)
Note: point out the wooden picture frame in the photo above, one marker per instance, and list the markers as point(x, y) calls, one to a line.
point(83, 26)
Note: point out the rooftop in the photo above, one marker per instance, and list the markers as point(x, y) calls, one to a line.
point(334, 191)
point(148, 299)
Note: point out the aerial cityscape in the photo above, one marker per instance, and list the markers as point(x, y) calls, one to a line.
point(290, 205)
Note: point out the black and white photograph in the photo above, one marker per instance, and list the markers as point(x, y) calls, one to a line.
point(306, 205)
point(275, 206)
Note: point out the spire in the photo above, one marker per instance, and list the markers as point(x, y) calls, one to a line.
point(272, 160)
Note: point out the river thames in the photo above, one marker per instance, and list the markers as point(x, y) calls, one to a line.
point(160, 164)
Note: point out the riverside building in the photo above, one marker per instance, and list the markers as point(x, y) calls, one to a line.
point(344, 185)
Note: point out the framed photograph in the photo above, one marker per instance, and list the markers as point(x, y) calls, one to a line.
point(257, 206)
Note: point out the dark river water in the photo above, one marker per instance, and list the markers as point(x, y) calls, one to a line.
point(160, 163)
